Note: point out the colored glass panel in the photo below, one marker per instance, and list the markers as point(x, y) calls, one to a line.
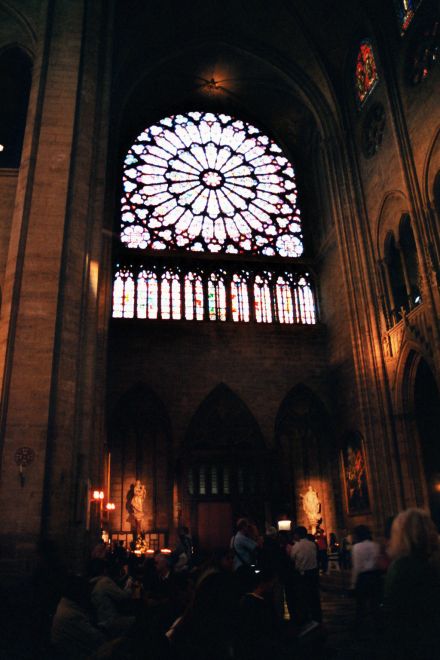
point(147, 295)
point(193, 297)
point(405, 10)
point(123, 294)
point(304, 303)
point(239, 298)
point(366, 75)
point(284, 301)
point(206, 182)
point(216, 298)
point(262, 300)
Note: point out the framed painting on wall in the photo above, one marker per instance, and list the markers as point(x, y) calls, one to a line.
point(355, 475)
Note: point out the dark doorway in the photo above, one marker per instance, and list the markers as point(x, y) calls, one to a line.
point(427, 414)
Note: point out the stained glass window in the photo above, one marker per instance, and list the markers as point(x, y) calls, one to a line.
point(239, 297)
point(262, 299)
point(170, 301)
point(193, 297)
point(366, 76)
point(209, 183)
point(147, 295)
point(405, 12)
point(304, 303)
point(123, 294)
point(217, 297)
point(284, 300)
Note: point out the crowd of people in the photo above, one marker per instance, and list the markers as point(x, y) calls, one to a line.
point(258, 598)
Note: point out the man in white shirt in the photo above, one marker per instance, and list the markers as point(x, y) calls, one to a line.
point(243, 546)
point(366, 579)
point(304, 555)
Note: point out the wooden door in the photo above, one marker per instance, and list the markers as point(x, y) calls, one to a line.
point(214, 524)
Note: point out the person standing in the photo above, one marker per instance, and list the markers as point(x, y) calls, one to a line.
point(303, 554)
point(366, 578)
point(244, 548)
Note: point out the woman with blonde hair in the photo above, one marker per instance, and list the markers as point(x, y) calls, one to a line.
point(412, 587)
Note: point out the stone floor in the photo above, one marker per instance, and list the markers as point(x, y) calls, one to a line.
point(343, 642)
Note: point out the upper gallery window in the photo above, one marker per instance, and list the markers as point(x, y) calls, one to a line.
point(209, 183)
point(405, 12)
point(366, 76)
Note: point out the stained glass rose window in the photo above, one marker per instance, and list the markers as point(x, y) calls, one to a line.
point(209, 183)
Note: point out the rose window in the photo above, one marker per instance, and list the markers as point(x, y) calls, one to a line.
point(209, 183)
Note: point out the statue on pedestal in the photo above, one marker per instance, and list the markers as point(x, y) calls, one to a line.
point(312, 507)
point(135, 504)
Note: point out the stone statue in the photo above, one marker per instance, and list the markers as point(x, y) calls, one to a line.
point(312, 507)
point(137, 504)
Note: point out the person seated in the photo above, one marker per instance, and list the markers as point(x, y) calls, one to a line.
point(73, 636)
point(107, 600)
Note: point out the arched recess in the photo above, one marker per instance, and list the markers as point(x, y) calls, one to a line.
point(223, 468)
point(419, 405)
point(140, 449)
point(306, 456)
point(15, 84)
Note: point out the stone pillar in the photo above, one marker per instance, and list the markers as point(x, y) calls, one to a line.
point(50, 294)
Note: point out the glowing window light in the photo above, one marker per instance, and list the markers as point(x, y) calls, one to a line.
point(239, 298)
point(366, 76)
point(262, 300)
point(216, 297)
point(305, 304)
point(405, 10)
point(170, 300)
point(284, 301)
point(193, 297)
point(147, 295)
point(209, 182)
point(123, 294)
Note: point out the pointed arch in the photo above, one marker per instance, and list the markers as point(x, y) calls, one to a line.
point(223, 421)
point(140, 448)
point(306, 453)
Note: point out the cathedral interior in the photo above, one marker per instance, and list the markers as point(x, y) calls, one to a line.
point(219, 268)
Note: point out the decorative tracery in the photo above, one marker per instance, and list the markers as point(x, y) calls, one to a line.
point(366, 76)
point(199, 295)
point(209, 183)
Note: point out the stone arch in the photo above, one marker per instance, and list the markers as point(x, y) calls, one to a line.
point(416, 389)
point(224, 469)
point(431, 172)
point(140, 449)
point(306, 454)
point(394, 207)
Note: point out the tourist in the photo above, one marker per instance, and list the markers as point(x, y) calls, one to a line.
point(307, 600)
point(244, 546)
point(412, 588)
point(73, 636)
point(366, 578)
point(107, 598)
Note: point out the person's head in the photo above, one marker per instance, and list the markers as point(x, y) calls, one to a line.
point(242, 525)
point(300, 532)
point(362, 533)
point(413, 534)
point(271, 532)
